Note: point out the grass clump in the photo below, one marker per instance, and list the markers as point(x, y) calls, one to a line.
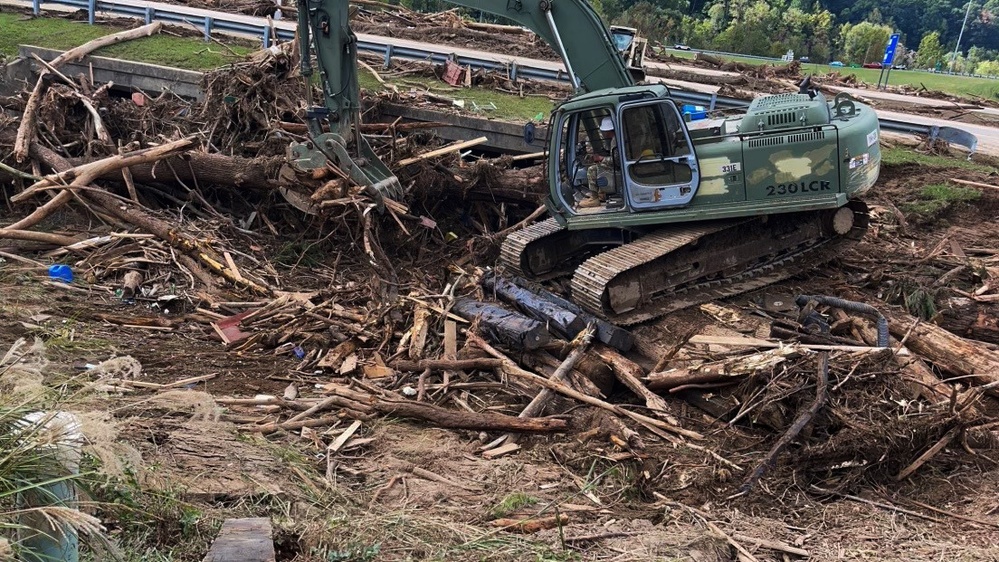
point(39, 460)
point(190, 53)
point(511, 504)
point(935, 199)
point(900, 156)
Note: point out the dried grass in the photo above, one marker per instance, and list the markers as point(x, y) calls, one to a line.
point(200, 405)
point(121, 368)
point(103, 441)
point(22, 370)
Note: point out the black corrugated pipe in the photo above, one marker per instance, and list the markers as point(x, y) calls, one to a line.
point(851, 306)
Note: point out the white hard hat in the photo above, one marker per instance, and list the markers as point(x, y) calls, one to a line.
point(607, 124)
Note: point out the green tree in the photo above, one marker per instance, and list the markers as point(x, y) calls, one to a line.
point(807, 33)
point(865, 42)
point(651, 20)
point(930, 51)
point(754, 31)
point(988, 68)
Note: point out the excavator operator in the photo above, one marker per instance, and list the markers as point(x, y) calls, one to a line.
point(604, 166)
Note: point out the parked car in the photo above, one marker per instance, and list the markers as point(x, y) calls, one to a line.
point(681, 46)
point(872, 65)
point(898, 67)
point(803, 59)
point(836, 63)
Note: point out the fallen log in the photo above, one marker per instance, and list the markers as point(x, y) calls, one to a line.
point(83, 175)
point(728, 370)
point(957, 356)
point(607, 333)
point(565, 322)
point(446, 364)
point(970, 319)
point(32, 236)
point(203, 168)
point(504, 325)
point(467, 420)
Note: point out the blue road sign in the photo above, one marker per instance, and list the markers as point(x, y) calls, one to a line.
point(890, 50)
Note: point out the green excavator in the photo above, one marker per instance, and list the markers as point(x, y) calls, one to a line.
point(693, 208)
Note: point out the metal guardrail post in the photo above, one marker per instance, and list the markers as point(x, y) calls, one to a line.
point(36, 7)
point(150, 12)
point(208, 28)
point(714, 98)
point(388, 57)
point(267, 38)
point(513, 72)
point(91, 11)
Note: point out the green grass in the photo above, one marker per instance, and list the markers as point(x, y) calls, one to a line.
point(189, 53)
point(957, 85)
point(508, 106)
point(934, 199)
point(511, 504)
point(897, 156)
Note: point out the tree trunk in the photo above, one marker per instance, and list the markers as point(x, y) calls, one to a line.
point(504, 325)
point(955, 355)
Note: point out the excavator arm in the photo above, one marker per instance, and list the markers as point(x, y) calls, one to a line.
point(571, 27)
point(323, 25)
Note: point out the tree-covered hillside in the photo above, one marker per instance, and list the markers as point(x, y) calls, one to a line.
point(854, 32)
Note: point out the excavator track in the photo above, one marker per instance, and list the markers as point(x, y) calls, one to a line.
point(682, 265)
point(514, 252)
point(547, 250)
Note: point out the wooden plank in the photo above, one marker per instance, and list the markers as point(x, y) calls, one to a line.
point(755, 342)
point(337, 443)
point(501, 451)
point(440, 151)
point(243, 540)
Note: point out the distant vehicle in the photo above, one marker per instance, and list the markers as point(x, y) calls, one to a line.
point(872, 65)
point(681, 46)
point(836, 63)
point(899, 67)
point(803, 59)
point(631, 46)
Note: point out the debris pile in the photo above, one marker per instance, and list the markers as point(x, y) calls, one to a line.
point(184, 219)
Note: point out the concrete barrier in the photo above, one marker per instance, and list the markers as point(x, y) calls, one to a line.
point(127, 76)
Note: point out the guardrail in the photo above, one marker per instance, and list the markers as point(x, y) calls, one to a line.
point(209, 21)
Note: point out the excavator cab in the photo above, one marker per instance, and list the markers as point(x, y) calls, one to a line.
point(645, 163)
point(632, 48)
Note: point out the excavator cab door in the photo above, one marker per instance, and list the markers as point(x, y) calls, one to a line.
point(659, 168)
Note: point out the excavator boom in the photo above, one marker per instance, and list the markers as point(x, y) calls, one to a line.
point(574, 30)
